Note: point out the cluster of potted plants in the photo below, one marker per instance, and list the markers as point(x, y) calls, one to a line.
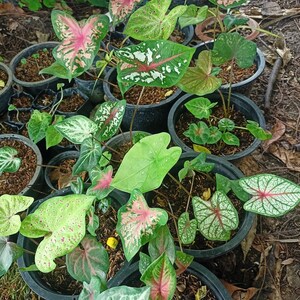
point(132, 226)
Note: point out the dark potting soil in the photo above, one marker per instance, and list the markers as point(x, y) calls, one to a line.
point(220, 148)
point(4, 78)
point(44, 100)
point(170, 193)
point(118, 155)
point(29, 70)
point(7, 128)
point(22, 102)
point(14, 183)
point(20, 116)
point(71, 103)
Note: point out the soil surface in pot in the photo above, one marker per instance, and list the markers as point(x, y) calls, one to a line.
point(28, 69)
point(71, 103)
point(3, 79)
point(21, 116)
point(14, 183)
point(220, 149)
point(7, 128)
point(44, 100)
point(22, 101)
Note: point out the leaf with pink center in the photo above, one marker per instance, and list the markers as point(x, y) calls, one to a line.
point(272, 196)
point(80, 40)
point(138, 223)
point(182, 262)
point(161, 277)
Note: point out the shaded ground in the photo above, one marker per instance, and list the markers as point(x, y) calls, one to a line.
point(274, 252)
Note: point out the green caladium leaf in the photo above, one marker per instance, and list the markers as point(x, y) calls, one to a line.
point(162, 243)
point(226, 124)
point(33, 5)
point(233, 46)
point(88, 259)
point(80, 41)
point(93, 221)
point(90, 153)
point(77, 187)
point(104, 159)
point(108, 118)
point(10, 222)
point(161, 277)
point(198, 133)
point(214, 135)
point(38, 125)
point(157, 63)
point(231, 21)
point(76, 128)
point(51, 222)
point(138, 223)
point(153, 21)
point(57, 70)
point(125, 292)
point(8, 160)
point(257, 131)
point(226, 4)
point(187, 228)
point(146, 164)
point(230, 139)
point(272, 196)
point(216, 218)
point(200, 107)
point(182, 262)
point(200, 80)
point(144, 262)
point(9, 252)
point(53, 137)
point(93, 289)
point(29, 268)
point(193, 15)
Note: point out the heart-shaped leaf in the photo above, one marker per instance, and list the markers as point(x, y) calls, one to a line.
point(272, 196)
point(93, 221)
point(198, 133)
point(10, 222)
point(226, 124)
point(138, 223)
point(214, 135)
point(153, 21)
point(128, 293)
point(92, 290)
point(8, 160)
point(216, 218)
point(257, 131)
point(157, 63)
point(88, 259)
point(200, 107)
point(226, 4)
point(76, 128)
point(53, 137)
point(193, 15)
point(57, 70)
point(231, 21)
point(230, 139)
point(144, 262)
point(146, 164)
point(182, 261)
point(61, 221)
point(187, 228)
point(161, 277)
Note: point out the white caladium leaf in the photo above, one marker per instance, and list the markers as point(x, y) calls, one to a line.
point(138, 223)
point(10, 222)
point(80, 41)
point(8, 160)
point(76, 128)
point(187, 228)
point(216, 218)
point(125, 292)
point(62, 231)
point(153, 63)
point(153, 21)
point(272, 196)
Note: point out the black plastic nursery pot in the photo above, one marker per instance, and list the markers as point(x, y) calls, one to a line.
point(131, 274)
point(35, 87)
point(240, 103)
point(44, 100)
point(150, 118)
point(33, 279)
point(7, 91)
point(21, 104)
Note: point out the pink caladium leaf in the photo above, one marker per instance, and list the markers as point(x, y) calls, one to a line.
point(161, 277)
point(80, 40)
point(138, 223)
point(182, 262)
point(272, 195)
point(120, 9)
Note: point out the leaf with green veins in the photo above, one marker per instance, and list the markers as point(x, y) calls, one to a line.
point(8, 160)
point(187, 228)
point(57, 70)
point(90, 153)
point(214, 135)
point(62, 232)
point(193, 15)
point(230, 139)
point(200, 80)
point(272, 195)
point(182, 262)
point(144, 262)
point(153, 21)
point(76, 128)
point(162, 243)
point(38, 124)
point(226, 124)
point(10, 221)
point(92, 290)
point(104, 159)
point(198, 133)
point(77, 186)
point(125, 292)
point(156, 63)
point(231, 21)
point(232, 46)
point(238, 191)
point(138, 223)
point(88, 259)
point(257, 131)
point(200, 107)
point(161, 277)
point(93, 221)
point(216, 218)
point(146, 164)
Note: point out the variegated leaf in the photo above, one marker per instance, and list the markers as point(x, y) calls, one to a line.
point(8, 160)
point(182, 261)
point(76, 128)
point(92, 290)
point(144, 262)
point(125, 292)
point(226, 4)
point(138, 223)
point(272, 195)
point(80, 41)
point(93, 221)
point(216, 218)
point(187, 228)
point(153, 63)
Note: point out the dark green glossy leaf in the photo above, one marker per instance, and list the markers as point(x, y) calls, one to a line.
point(193, 15)
point(257, 131)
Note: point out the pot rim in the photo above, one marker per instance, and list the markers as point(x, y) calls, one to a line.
point(9, 82)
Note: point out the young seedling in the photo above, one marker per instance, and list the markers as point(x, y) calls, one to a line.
point(12, 107)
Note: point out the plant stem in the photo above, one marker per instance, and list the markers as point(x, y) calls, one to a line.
point(191, 189)
point(29, 252)
point(223, 103)
point(179, 183)
point(230, 84)
point(55, 106)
